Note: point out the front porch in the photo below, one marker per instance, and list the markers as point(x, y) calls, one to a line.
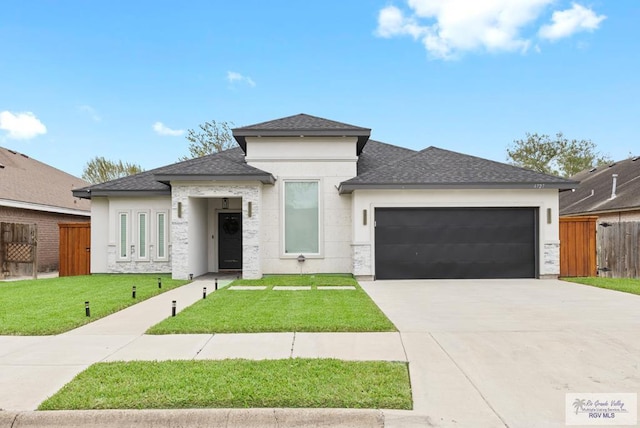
point(215, 228)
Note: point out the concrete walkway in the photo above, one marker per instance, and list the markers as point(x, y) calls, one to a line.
point(34, 368)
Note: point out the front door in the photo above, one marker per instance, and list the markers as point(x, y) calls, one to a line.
point(230, 241)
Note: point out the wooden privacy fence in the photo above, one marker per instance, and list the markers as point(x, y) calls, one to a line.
point(75, 249)
point(578, 246)
point(18, 249)
point(618, 254)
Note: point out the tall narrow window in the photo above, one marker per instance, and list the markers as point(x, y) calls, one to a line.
point(124, 244)
point(301, 217)
point(162, 241)
point(142, 235)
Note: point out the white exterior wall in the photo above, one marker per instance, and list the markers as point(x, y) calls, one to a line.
point(363, 248)
point(191, 233)
point(100, 234)
point(104, 239)
point(331, 160)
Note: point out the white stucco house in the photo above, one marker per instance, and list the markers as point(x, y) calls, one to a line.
point(303, 194)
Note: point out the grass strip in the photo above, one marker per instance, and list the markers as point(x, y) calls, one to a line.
point(299, 280)
point(627, 285)
point(259, 311)
point(291, 383)
point(55, 305)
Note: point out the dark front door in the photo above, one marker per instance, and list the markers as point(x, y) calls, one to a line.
point(230, 241)
point(455, 243)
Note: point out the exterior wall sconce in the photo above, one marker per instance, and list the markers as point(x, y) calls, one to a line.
point(225, 203)
point(364, 217)
point(179, 209)
point(301, 258)
point(249, 208)
point(549, 219)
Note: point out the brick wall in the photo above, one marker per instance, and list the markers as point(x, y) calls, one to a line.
point(48, 232)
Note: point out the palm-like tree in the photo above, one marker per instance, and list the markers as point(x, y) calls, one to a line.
point(579, 404)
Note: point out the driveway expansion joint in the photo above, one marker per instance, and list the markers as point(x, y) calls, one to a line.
point(470, 381)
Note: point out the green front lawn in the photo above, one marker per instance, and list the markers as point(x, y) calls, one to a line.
point(628, 285)
point(238, 311)
point(237, 383)
point(55, 305)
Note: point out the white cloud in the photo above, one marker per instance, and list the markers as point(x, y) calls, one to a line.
point(162, 129)
point(21, 126)
point(91, 112)
point(565, 23)
point(448, 28)
point(233, 77)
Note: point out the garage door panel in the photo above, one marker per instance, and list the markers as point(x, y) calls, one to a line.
point(455, 243)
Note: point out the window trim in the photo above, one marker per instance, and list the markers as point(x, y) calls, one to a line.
point(283, 253)
point(127, 238)
point(158, 245)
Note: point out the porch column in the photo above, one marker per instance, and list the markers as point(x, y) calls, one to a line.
point(179, 233)
point(251, 263)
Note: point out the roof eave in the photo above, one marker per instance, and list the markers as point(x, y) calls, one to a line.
point(89, 193)
point(346, 188)
point(362, 134)
point(263, 178)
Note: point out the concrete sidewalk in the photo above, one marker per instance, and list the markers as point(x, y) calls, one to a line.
point(36, 367)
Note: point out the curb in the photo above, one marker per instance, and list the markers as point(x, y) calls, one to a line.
point(229, 418)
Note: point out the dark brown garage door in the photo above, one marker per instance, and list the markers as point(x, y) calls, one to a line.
point(455, 243)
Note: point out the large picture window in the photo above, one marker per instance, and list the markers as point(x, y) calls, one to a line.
point(301, 217)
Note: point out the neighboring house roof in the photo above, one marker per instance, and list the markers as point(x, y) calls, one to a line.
point(434, 168)
point(596, 185)
point(29, 184)
point(302, 125)
point(228, 165)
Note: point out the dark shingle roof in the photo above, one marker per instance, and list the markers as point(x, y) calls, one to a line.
point(594, 194)
point(226, 165)
point(23, 179)
point(376, 154)
point(302, 124)
point(438, 168)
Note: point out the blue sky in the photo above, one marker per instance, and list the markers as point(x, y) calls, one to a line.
point(126, 79)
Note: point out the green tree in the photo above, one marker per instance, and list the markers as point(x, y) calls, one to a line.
point(556, 156)
point(99, 170)
point(213, 137)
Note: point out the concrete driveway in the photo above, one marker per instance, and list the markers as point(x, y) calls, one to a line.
point(496, 353)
